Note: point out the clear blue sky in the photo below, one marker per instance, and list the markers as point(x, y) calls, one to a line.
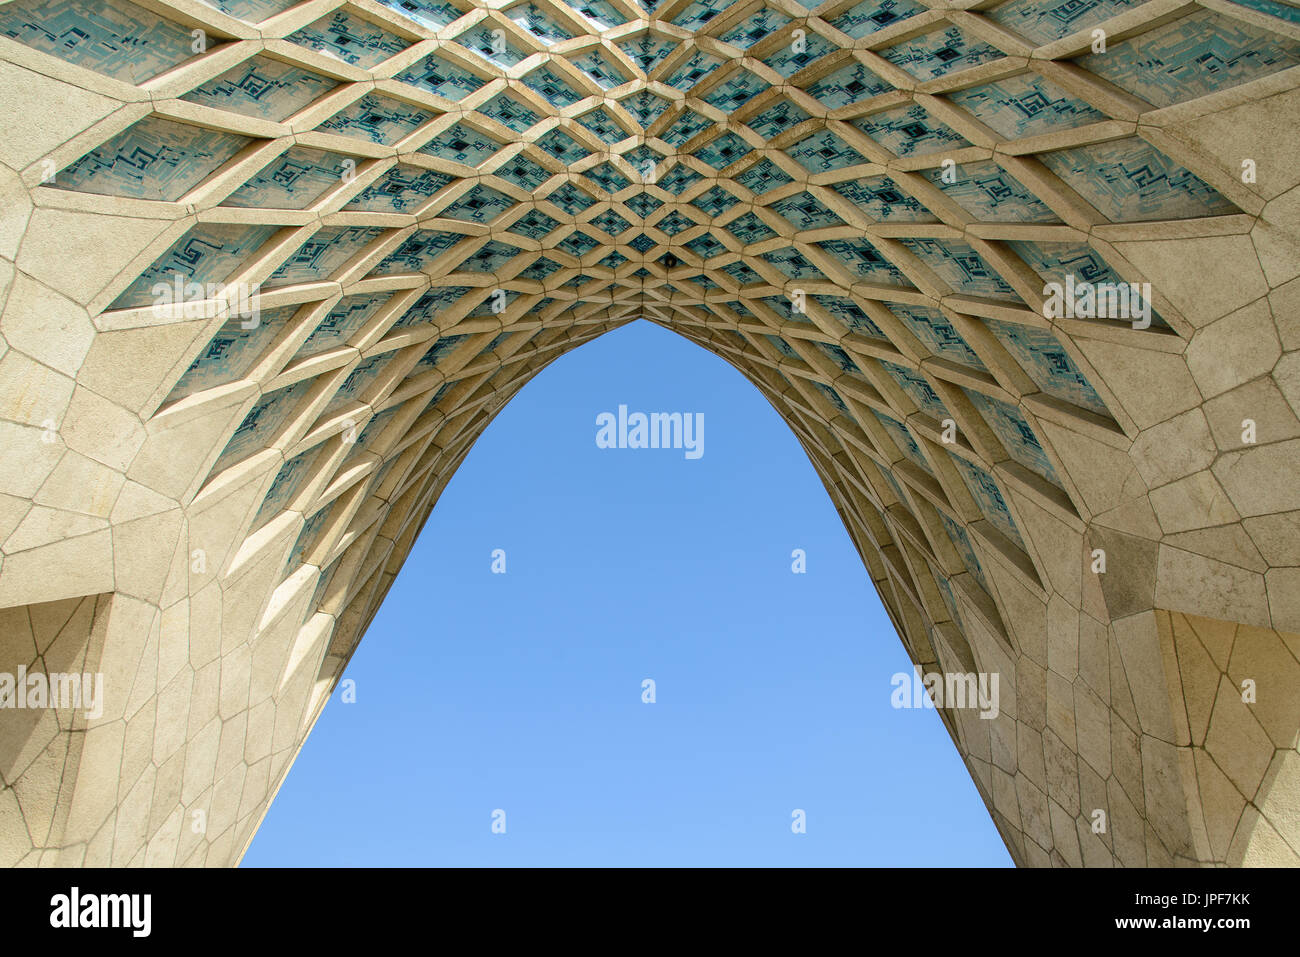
point(522, 692)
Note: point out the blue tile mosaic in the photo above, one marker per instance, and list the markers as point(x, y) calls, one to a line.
point(864, 259)
point(539, 23)
point(723, 151)
point(852, 316)
point(341, 323)
point(462, 144)
point(1015, 433)
point(678, 178)
point(563, 147)
point(903, 439)
point(706, 247)
point(715, 202)
point(357, 382)
point(379, 119)
point(841, 358)
point(750, 229)
point(764, 176)
point(403, 189)
point(684, 127)
point(918, 389)
point(940, 53)
point(777, 119)
point(1025, 105)
point(263, 88)
point(293, 180)
point(984, 489)
point(534, 224)
point(962, 544)
point(742, 273)
point(848, 84)
point(1046, 20)
point(539, 269)
point(604, 126)
point(118, 39)
point(962, 268)
point(880, 198)
point(792, 263)
point(251, 11)
point(509, 112)
point(417, 251)
point(577, 244)
point(437, 76)
point(611, 222)
point(697, 66)
point(991, 194)
point(1130, 180)
point(674, 223)
point(805, 212)
point(207, 253)
point(323, 254)
point(155, 159)
point(754, 27)
point(344, 36)
point(490, 42)
point(643, 204)
point(699, 12)
point(430, 14)
point(551, 87)
point(490, 257)
point(909, 131)
point(264, 421)
point(608, 178)
point(523, 172)
point(824, 151)
point(1192, 57)
point(1075, 263)
point(1041, 355)
point(600, 68)
point(232, 352)
point(872, 15)
point(432, 303)
point(288, 482)
point(787, 61)
point(647, 51)
point(571, 199)
point(600, 12)
point(936, 332)
point(482, 204)
point(735, 91)
point(645, 107)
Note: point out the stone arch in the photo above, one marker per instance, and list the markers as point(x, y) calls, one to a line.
point(214, 503)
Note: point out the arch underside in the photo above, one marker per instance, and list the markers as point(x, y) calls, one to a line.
point(263, 294)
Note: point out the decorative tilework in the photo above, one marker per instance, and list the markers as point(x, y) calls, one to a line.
point(647, 51)
point(118, 39)
point(263, 422)
point(984, 489)
point(684, 127)
point(263, 88)
point(461, 143)
point(678, 178)
point(608, 178)
point(207, 253)
point(723, 151)
point(1025, 105)
point(497, 49)
point(777, 119)
point(402, 189)
point(700, 12)
point(509, 112)
point(430, 14)
point(251, 11)
point(735, 91)
point(697, 67)
point(551, 87)
point(848, 84)
point(540, 269)
point(321, 255)
point(293, 180)
point(824, 151)
point(872, 15)
point(600, 12)
point(750, 229)
point(864, 259)
point(288, 482)
point(645, 107)
point(1192, 57)
point(643, 204)
point(936, 332)
point(754, 27)
point(482, 204)
point(763, 177)
point(881, 199)
point(850, 314)
point(909, 131)
point(341, 323)
point(706, 247)
point(603, 125)
point(1048, 364)
point(539, 23)
point(577, 244)
point(523, 172)
point(1043, 21)
point(611, 222)
point(346, 37)
point(152, 159)
point(742, 273)
point(563, 147)
point(437, 76)
point(1057, 261)
point(787, 61)
point(940, 53)
point(356, 383)
point(232, 352)
point(1131, 181)
point(962, 544)
point(841, 358)
point(918, 389)
point(792, 262)
point(417, 251)
point(904, 440)
point(602, 69)
point(571, 199)
point(1015, 434)
point(961, 267)
point(490, 257)
point(992, 195)
point(432, 303)
point(379, 119)
point(805, 212)
point(715, 202)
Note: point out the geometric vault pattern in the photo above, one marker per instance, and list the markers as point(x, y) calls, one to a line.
point(859, 205)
